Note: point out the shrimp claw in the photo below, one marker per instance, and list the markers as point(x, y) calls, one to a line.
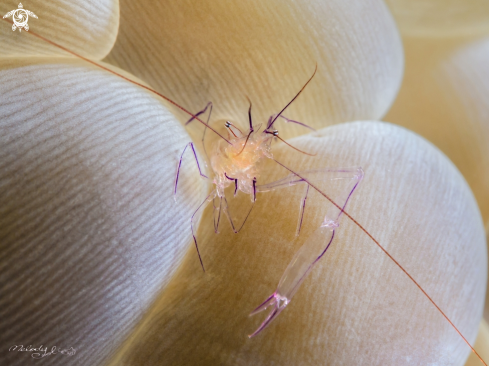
point(297, 270)
point(316, 245)
point(278, 304)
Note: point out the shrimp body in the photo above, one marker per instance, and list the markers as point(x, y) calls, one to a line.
point(240, 162)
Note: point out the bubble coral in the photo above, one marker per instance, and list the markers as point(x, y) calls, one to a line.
point(95, 254)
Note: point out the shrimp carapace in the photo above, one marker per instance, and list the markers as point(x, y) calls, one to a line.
point(240, 162)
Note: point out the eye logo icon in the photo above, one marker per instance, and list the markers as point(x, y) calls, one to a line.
point(20, 17)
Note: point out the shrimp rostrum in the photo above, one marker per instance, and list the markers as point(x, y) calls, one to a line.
point(237, 161)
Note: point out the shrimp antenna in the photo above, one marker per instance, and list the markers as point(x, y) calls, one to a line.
point(286, 143)
point(275, 133)
point(249, 114)
point(300, 91)
point(251, 126)
point(127, 79)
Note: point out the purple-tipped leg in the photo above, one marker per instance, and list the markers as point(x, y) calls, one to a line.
point(193, 220)
point(278, 305)
point(179, 165)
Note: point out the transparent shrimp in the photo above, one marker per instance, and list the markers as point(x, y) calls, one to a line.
point(236, 160)
point(239, 159)
point(245, 179)
point(239, 163)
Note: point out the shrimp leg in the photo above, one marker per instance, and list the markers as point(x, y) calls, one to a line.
point(179, 165)
point(209, 105)
point(302, 210)
point(208, 199)
point(217, 213)
point(327, 174)
point(228, 214)
point(315, 246)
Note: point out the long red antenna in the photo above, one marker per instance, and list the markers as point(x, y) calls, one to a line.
point(126, 78)
point(290, 170)
point(387, 253)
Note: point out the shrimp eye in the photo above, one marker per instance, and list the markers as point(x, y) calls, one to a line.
point(227, 124)
point(275, 132)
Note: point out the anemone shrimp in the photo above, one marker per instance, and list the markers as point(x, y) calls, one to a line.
point(238, 160)
point(291, 178)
